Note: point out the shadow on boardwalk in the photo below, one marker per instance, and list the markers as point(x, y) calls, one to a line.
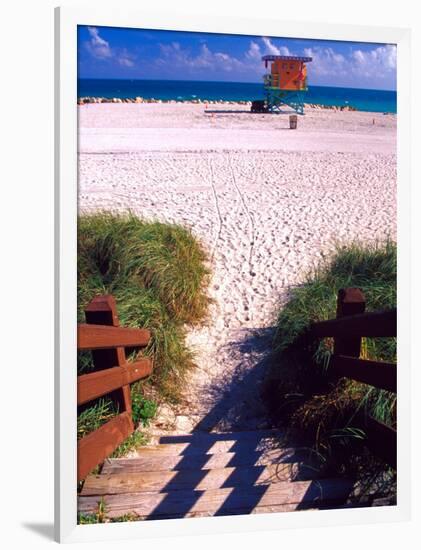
point(235, 404)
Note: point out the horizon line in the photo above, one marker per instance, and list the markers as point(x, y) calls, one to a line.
point(231, 82)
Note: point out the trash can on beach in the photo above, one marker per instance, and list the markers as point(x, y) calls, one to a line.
point(293, 122)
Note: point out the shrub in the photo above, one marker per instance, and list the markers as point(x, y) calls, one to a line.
point(158, 277)
point(301, 395)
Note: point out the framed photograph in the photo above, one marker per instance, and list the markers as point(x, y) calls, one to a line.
point(232, 248)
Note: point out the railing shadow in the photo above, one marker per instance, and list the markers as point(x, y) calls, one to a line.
point(229, 112)
point(243, 111)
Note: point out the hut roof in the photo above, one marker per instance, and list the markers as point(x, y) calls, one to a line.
point(287, 58)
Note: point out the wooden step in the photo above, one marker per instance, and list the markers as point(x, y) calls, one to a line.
point(213, 442)
point(212, 437)
point(199, 480)
point(201, 461)
point(297, 495)
point(205, 447)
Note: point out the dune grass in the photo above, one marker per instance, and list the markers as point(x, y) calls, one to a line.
point(157, 274)
point(302, 397)
point(100, 516)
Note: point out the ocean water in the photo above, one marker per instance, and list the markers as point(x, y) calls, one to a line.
point(183, 90)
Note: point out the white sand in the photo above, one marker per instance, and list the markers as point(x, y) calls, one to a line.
point(267, 202)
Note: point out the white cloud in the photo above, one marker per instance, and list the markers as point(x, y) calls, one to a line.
point(272, 49)
point(325, 61)
point(125, 59)
point(125, 62)
point(367, 66)
point(97, 46)
point(382, 58)
point(205, 57)
point(254, 51)
point(283, 50)
point(175, 56)
point(253, 56)
point(362, 66)
point(249, 63)
point(359, 57)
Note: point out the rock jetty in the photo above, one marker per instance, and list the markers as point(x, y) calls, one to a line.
point(86, 100)
point(90, 99)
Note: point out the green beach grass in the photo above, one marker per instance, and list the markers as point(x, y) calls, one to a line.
point(302, 398)
point(157, 274)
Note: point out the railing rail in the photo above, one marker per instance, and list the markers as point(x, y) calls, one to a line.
point(350, 325)
point(96, 384)
point(112, 375)
point(105, 337)
point(376, 324)
point(380, 374)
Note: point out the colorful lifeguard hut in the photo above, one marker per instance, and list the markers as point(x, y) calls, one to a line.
point(286, 83)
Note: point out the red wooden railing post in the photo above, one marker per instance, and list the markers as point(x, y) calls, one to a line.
point(345, 362)
point(102, 310)
point(111, 375)
point(351, 301)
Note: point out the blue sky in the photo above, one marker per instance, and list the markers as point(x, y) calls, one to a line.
point(107, 52)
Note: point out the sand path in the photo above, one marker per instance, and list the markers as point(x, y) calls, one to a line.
point(266, 217)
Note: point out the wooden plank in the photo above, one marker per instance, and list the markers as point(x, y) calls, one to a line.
point(374, 324)
point(201, 437)
point(381, 440)
point(205, 448)
point(202, 462)
point(209, 443)
point(94, 385)
point(222, 501)
point(351, 301)
point(384, 501)
point(91, 337)
point(376, 373)
point(98, 445)
point(200, 480)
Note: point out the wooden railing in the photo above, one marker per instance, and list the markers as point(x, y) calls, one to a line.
point(111, 375)
point(350, 325)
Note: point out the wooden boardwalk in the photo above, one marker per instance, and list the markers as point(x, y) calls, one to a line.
point(201, 474)
point(209, 474)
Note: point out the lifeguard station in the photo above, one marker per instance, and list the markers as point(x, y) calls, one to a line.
point(286, 83)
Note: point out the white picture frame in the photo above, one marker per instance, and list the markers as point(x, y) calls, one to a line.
point(66, 22)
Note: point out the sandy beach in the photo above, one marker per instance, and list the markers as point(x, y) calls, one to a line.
point(266, 201)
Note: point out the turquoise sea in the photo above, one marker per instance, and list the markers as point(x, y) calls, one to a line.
point(185, 90)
